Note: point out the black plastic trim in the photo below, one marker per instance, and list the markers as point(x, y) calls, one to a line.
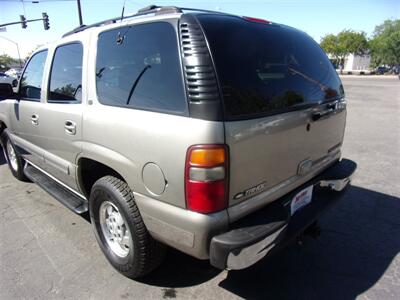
point(200, 77)
point(63, 195)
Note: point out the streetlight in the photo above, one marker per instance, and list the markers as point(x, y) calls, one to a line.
point(16, 44)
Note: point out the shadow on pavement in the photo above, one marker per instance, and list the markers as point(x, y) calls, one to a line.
point(358, 242)
point(180, 270)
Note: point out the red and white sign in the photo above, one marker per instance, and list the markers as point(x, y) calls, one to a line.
point(301, 199)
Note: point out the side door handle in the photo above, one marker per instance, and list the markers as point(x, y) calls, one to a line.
point(70, 127)
point(330, 109)
point(319, 115)
point(35, 119)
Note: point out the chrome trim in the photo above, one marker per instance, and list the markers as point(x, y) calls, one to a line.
point(252, 254)
point(336, 185)
point(56, 180)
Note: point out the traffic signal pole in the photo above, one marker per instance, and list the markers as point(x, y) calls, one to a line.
point(45, 20)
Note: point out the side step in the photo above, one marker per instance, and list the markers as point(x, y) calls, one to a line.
point(66, 197)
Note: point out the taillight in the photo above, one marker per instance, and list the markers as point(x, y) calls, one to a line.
point(206, 178)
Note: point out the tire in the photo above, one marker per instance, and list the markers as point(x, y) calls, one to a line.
point(110, 200)
point(15, 162)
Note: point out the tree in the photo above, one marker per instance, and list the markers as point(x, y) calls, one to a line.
point(6, 62)
point(385, 43)
point(344, 43)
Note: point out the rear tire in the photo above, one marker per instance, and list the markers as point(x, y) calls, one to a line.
point(15, 161)
point(120, 230)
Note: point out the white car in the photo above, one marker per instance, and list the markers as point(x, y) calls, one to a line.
point(4, 78)
point(15, 72)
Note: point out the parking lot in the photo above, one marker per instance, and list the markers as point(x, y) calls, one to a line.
point(48, 252)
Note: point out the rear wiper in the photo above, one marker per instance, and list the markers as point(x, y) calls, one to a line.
point(100, 72)
point(136, 82)
point(308, 78)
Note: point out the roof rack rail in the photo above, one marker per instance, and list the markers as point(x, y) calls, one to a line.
point(143, 11)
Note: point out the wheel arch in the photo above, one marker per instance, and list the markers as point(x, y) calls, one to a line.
point(90, 170)
point(3, 126)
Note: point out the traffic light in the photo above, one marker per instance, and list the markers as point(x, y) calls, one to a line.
point(46, 23)
point(23, 21)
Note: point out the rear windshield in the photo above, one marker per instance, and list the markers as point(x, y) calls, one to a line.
point(266, 69)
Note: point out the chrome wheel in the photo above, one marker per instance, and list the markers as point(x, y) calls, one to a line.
point(12, 156)
point(115, 229)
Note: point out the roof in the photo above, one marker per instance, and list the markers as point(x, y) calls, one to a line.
point(148, 10)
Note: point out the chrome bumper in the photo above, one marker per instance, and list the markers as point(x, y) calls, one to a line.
point(269, 229)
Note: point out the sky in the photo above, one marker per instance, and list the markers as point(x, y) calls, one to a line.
point(316, 17)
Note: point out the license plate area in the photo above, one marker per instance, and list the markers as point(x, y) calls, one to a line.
point(301, 199)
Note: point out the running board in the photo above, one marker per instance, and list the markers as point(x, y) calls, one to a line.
point(63, 195)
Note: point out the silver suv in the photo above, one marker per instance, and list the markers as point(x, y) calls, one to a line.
point(214, 134)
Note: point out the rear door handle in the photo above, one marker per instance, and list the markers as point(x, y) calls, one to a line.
point(70, 127)
point(35, 119)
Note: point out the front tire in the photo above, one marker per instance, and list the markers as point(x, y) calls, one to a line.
point(120, 230)
point(15, 162)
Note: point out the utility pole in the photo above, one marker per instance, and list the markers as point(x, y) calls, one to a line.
point(78, 2)
point(16, 44)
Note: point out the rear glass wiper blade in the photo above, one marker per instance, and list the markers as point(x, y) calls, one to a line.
point(100, 72)
point(136, 82)
point(309, 79)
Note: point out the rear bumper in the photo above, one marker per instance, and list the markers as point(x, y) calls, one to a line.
point(269, 229)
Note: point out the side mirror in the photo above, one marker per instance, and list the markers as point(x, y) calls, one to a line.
point(6, 91)
point(15, 83)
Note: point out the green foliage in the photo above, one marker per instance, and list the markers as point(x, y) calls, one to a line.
point(385, 44)
point(344, 43)
point(6, 62)
point(329, 43)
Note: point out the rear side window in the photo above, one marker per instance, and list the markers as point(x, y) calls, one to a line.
point(138, 66)
point(66, 74)
point(265, 68)
point(31, 80)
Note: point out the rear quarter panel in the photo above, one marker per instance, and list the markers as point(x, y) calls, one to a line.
point(128, 139)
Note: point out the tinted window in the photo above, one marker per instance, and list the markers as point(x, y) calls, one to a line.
point(31, 80)
point(267, 68)
point(141, 69)
point(66, 74)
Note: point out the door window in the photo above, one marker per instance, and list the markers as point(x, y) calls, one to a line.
point(139, 66)
point(66, 74)
point(31, 80)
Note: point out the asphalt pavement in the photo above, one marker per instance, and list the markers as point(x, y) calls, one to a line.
point(47, 252)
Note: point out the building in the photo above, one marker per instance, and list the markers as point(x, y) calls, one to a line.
point(353, 63)
point(357, 63)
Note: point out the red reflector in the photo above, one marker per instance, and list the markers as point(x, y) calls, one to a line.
point(206, 197)
point(256, 20)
